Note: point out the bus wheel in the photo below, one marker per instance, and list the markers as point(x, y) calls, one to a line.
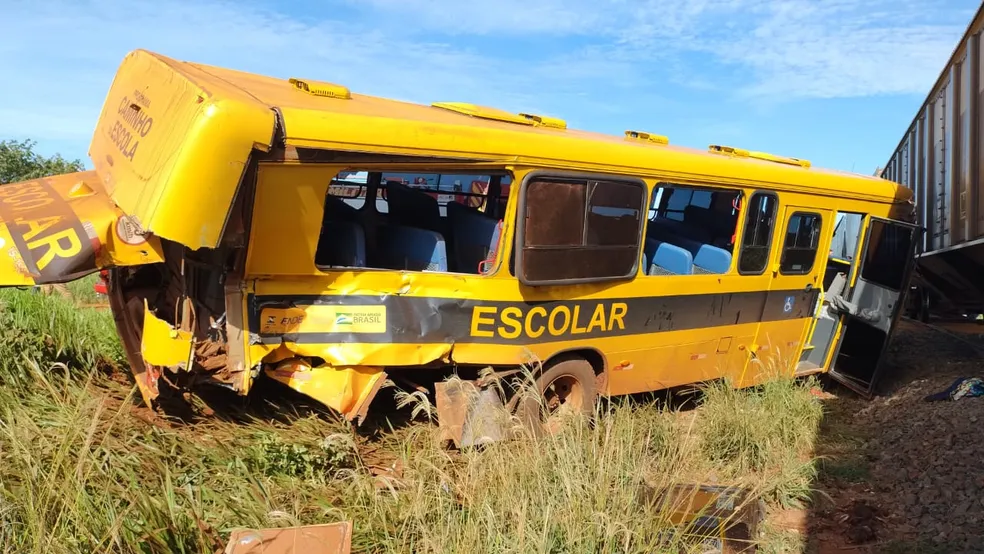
point(567, 388)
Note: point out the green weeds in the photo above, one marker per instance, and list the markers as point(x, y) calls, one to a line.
point(80, 472)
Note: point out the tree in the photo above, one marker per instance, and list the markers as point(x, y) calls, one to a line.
point(19, 162)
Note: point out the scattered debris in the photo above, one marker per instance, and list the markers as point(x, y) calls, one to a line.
point(963, 387)
point(726, 519)
point(331, 538)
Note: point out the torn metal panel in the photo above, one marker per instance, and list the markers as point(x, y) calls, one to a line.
point(330, 538)
point(163, 345)
point(342, 354)
point(62, 228)
point(347, 390)
point(468, 415)
point(727, 516)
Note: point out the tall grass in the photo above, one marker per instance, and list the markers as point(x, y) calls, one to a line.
point(80, 473)
point(38, 329)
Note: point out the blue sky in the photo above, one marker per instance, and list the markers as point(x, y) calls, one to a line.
point(834, 81)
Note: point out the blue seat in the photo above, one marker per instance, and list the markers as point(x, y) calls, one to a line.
point(342, 244)
point(688, 244)
point(711, 259)
point(668, 259)
point(704, 257)
point(473, 235)
point(413, 208)
point(411, 248)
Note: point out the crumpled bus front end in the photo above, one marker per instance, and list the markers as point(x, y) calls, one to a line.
point(169, 302)
point(62, 228)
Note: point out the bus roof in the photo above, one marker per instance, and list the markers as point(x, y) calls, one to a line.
point(204, 121)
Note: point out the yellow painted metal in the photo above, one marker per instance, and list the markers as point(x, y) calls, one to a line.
point(162, 344)
point(61, 228)
point(345, 390)
point(172, 143)
point(200, 123)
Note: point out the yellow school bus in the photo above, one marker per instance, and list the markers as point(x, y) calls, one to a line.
point(288, 229)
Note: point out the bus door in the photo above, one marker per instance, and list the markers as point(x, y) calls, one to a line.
point(869, 308)
point(795, 273)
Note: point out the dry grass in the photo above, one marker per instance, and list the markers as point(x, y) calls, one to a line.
point(80, 473)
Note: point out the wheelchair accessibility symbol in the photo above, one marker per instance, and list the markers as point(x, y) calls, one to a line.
point(788, 306)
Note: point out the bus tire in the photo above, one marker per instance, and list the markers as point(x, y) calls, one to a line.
point(569, 385)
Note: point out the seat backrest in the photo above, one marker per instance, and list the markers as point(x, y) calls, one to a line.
point(337, 209)
point(670, 259)
point(342, 244)
point(711, 259)
point(412, 207)
point(691, 245)
point(473, 234)
point(411, 248)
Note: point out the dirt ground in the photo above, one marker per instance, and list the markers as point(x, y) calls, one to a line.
point(900, 474)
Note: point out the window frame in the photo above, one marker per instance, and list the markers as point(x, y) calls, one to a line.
point(744, 228)
point(863, 259)
point(520, 233)
point(375, 191)
point(816, 252)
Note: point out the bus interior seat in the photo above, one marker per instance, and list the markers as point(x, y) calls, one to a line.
point(706, 258)
point(701, 223)
point(337, 209)
point(667, 259)
point(412, 248)
point(474, 235)
point(711, 259)
point(342, 244)
point(412, 208)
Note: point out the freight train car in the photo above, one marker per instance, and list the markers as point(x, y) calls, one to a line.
point(940, 158)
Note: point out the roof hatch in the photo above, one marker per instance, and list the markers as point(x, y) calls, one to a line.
point(742, 153)
point(495, 114)
point(318, 88)
point(646, 137)
point(545, 121)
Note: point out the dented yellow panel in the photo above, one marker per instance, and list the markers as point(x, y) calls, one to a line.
point(162, 344)
point(172, 144)
point(347, 390)
point(62, 228)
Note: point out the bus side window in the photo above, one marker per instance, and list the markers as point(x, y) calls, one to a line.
point(579, 230)
point(757, 238)
point(690, 230)
point(799, 250)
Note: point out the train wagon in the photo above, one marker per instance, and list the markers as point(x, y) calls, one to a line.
point(939, 158)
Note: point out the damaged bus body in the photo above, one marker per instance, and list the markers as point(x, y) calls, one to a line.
point(288, 229)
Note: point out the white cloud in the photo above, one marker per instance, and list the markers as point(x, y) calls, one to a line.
point(787, 48)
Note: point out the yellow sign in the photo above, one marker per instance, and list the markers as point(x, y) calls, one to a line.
point(323, 319)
